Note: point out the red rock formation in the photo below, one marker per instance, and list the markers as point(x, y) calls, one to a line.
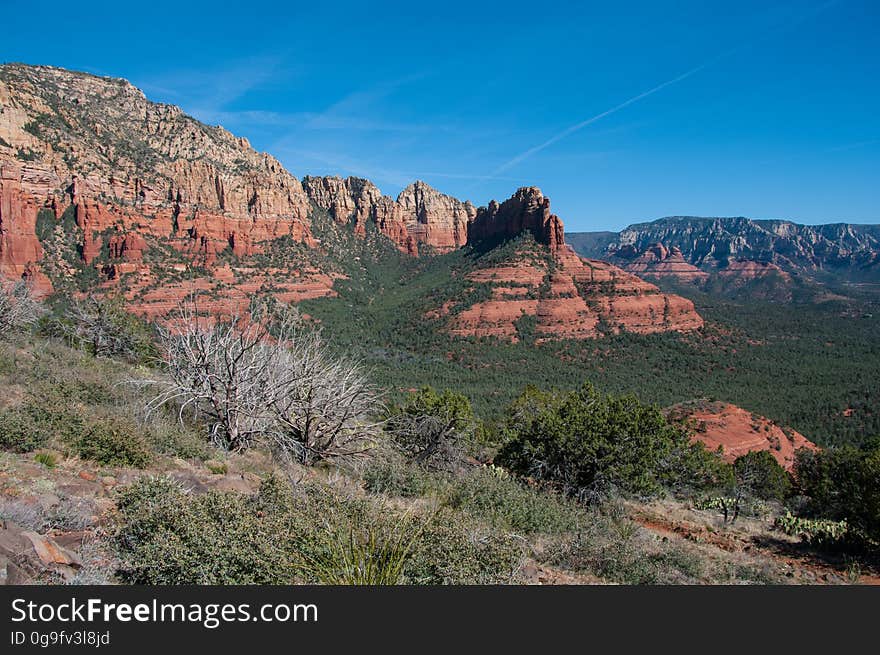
point(349, 199)
point(20, 250)
point(661, 262)
point(223, 290)
point(569, 297)
point(737, 431)
point(130, 165)
point(527, 210)
point(435, 219)
point(420, 215)
point(141, 175)
point(129, 247)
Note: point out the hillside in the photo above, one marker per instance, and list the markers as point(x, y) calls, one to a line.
point(101, 187)
point(737, 432)
point(157, 504)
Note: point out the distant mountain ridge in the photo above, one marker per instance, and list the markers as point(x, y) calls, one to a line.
point(848, 250)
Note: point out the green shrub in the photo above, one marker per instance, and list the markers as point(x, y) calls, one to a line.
point(393, 476)
point(588, 443)
point(8, 363)
point(167, 536)
point(843, 484)
point(20, 432)
point(217, 468)
point(453, 549)
point(102, 327)
point(280, 536)
point(35, 423)
point(175, 440)
point(507, 504)
point(759, 474)
point(434, 429)
point(114, 441)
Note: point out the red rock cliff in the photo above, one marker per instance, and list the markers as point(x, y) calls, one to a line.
point(527, 210)
point(420, 215)
point(127, 164)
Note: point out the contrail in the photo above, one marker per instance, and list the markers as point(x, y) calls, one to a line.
point(579, 126)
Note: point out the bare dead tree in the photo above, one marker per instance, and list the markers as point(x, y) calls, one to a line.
point(219, 372)
point(19, 309)
point(271, 380)
point(324, 405)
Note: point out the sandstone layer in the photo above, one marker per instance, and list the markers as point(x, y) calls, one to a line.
point(420, 215)
point(744, 270)
point(661, 262)
point(737, 431)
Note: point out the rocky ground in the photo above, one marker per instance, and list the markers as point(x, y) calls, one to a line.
point(55, 522)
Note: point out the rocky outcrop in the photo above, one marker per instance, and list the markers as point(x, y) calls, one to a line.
point(661, 262)
point(130, 166)
point(25, 555)
point(20, 249)
point(569, 298)
point(526, 211)
point(434, 218)
point(546, 291)
point(737, 431)
point(92, 161)
point(745, 270)
point(420, 215)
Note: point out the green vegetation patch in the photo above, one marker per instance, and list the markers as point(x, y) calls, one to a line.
point(284, 535)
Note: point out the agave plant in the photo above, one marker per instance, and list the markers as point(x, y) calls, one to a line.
point(365, 557)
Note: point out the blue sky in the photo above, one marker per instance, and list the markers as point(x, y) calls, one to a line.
point(620, 112)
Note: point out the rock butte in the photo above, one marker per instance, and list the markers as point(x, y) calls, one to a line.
point(569, 297)
point(738, 431)
point(156, 196)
